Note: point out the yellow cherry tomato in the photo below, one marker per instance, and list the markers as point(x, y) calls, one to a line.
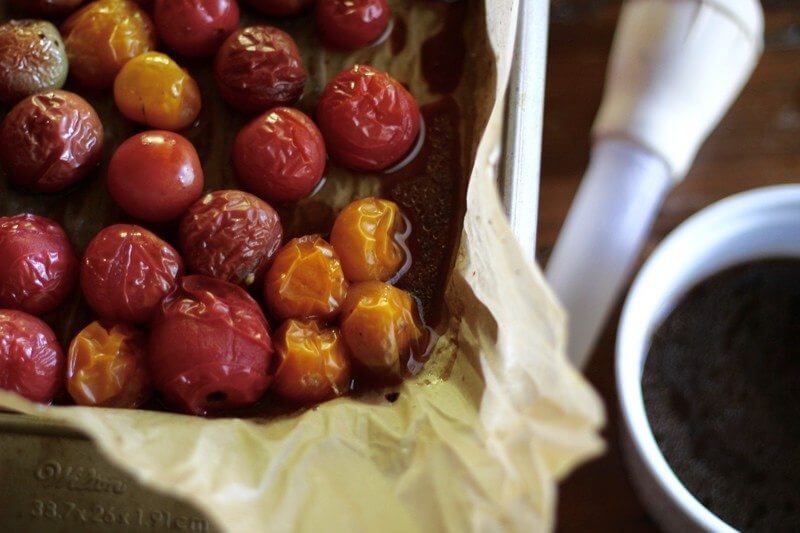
point(153, 89)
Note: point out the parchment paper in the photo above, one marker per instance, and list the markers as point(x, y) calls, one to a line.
point(475, 443)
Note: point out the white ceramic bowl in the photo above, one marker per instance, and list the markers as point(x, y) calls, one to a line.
point(757, 224)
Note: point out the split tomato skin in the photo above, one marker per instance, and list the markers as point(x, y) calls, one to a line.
point(50, 141)
point(230, 235)
point(31, 360)
point(258, 68)
point(38, 267)
point(126, 271)
point(155, 176)
point(368, 119)
point(195, 28)
point(210, 347)
point(280, 156)
point(106, 366)
point(281, 8)
point(351, 24)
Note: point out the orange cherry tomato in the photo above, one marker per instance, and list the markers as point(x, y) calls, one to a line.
point(305, 280)
point(152, 89)
point(369, 236)
point(383, 330)
point(104, 35)
point(106, 366)
point(313, 362)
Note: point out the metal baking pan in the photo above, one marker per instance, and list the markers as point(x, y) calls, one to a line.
point(52, 478)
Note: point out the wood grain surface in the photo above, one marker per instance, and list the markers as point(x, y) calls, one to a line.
point(757, 144)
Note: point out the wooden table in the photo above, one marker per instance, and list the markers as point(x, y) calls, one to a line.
point(757, 144)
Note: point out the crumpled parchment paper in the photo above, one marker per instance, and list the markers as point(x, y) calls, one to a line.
point(477, 442)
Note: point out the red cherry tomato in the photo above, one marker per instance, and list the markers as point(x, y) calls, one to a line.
point(280, 156)
point(126, 271)
point(155, 176)
point(210, 347)
point(50, 141)
point(281, 8)
point(31, 360)
point(368, 119)
point(351, 24)
point(38, 268)
point(195, 28)
point(230, 235)
point(258, 68)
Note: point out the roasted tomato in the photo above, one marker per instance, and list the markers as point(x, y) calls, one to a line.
point(210, 347)
point(281, 8)
point(102, 37)
point(280, 156)
point(351, 24)
point(152, 89)
point(155, 176)
point(126, 271)
point(38, 268)
point(258, 68)
point(32, 59)
point(50, 141)
point(305, 280)
point(368, 119)
point(369, 235)
point(49, 8)
point(230, 235)
point(195, 28)
point(383, 330)
point(312, 362)
point(31, 360)
point(107, 366)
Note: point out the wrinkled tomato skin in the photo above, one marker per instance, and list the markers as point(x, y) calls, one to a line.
point(49, 8)
point(230, 235)
point(368, 119)
point(383, 330)
point(31, 360)
point(32, 59)
point(209, 347)
point(281, 8)
point(369, 236)
point(50, 141)
point(195, 28)
point(258, 68)
point(104, 35)
point(126, 271)
point(155, 176)
point(305, 280)
point(280, 156)
point(312, 362)
point(38, 268)
point(154, 90)
point(351, 24)
point(107, 366)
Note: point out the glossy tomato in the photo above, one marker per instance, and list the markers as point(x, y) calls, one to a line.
point(312, 362)
point(31, 360)
point(368, 119)
point(126, 271)
point(258, 68)
point(49, 8)
point(351, 24)
point(281, 8)
point(32, 59)
point(210, 347)
point(230, 235)
point(280, 156)
point(104, 35)
point(153, 89)
point(106, 366)
point(50, 141)
point(305, 280)
point(195, 28)
point(155, 176)
point(38, 267)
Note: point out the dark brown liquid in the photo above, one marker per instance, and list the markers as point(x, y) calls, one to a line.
point(443, 54)
point(721, 388)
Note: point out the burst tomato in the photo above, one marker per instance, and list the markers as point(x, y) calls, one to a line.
point(32, 59)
